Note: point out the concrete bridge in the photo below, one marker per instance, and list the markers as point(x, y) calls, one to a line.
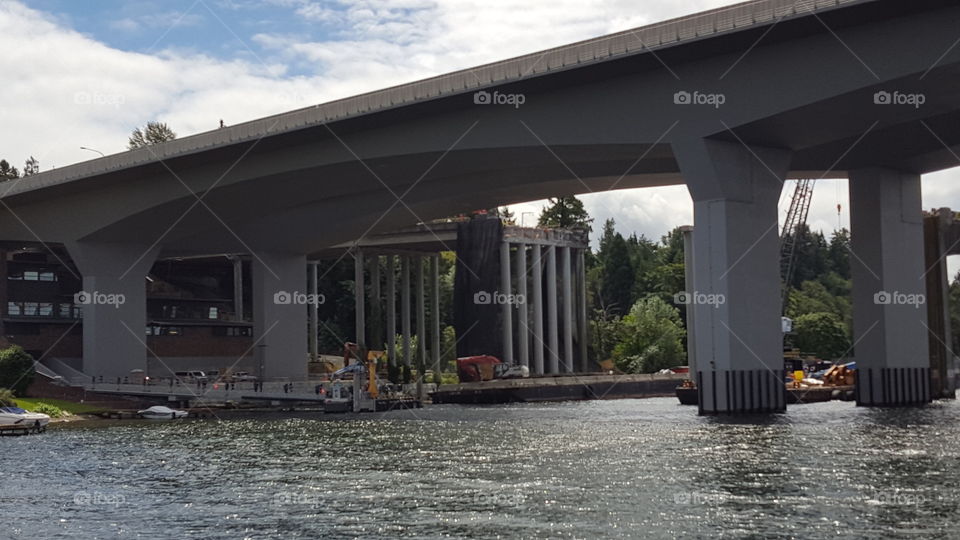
point(730, 102)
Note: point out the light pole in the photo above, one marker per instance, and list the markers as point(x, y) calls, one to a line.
point(92, 150)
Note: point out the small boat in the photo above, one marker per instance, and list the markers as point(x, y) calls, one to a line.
point(159, 412)
point(20, 418)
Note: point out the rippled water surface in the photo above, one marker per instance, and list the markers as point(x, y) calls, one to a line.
point(603, 469)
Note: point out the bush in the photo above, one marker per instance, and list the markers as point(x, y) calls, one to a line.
point(822, 334)
point(6, 398)
point(16, 369)
point(652, 338)
point(50, 410)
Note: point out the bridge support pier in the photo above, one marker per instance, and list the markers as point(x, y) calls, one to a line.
point(280, 315)
point(887, 267)
point(114, 303)
point(736, 301)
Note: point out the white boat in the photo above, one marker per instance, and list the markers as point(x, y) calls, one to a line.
point(159, 412)
point(17, 417)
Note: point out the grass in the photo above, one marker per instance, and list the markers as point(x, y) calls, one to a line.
point(68, 406)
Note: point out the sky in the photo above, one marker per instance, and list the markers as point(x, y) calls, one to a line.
point(85, 74)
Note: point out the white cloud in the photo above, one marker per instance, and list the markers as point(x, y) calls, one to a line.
point(70, 90)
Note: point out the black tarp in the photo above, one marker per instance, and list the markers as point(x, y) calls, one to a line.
point(477, 324)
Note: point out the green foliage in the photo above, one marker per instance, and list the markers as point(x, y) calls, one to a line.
point(31, 167)
point(822, 334)
point(50, 410)
point(6, 398)
point(7, 172)
point(651, 338)
point(565, 213)
point(16, 369)
point(152, 133)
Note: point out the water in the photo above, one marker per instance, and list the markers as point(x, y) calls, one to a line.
point(613, 469)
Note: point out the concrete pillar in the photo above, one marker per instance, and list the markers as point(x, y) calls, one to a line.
point(114, 304)
point(279, 315)
point(313, 313)
point(537, 302)
point(506, 315)
point(523, 317)
point(739, 350)
point(687, 232)
point(405, 307)
point(376, 305)
point(567, 309)
point(553, 340)
point(391, 310)
point(582, 335)
point(889, 315)
point(421, 319)
point(435, 310)
point(359, 297)
point(237, 286)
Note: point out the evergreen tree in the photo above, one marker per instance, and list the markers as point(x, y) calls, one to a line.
point(839, 253)
point(617, 276)
point(7, 172)
point(565, 213)
point(31, 167)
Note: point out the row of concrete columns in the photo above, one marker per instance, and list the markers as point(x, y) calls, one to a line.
point(419, 291)
point(736, 346)
point(523, 315)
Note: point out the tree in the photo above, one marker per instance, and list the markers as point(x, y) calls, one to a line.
point(31, 167)
point(822, 334)
point(616, 278)
point(652, 338)
point(152, 133)
point(838, 253)
point(565, 213)
point(16, 369)
point(7, 172)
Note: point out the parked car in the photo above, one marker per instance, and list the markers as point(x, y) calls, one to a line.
point(192, 376)
point(243, 376)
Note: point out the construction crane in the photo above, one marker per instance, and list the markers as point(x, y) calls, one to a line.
point(793, 225)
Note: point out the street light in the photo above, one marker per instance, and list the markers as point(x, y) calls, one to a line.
point(92, 150)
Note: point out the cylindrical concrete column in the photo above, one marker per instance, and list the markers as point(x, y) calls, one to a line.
point(435, 310)
point(523, 318)
point(313, 313)
point(553, 340)
point(405, 307)
point(391, 310)
point(421, 318)
point(237, 287)
point(505, 307)
point(582, 311)
point(537, 300)
point(376, 307)
point(567, 310)
point(359, 292)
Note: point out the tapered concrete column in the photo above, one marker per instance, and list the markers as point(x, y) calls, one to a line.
point(523, 317)
point(536, 270)
point(114, 304)
point(359, 298)
point(553, 340)
point(505, 307)
point(889, 311)
point(435, 311)
point(237, 287)
point(687, 232)
point(582, 310)
point(280, 315)
point(313, 309)
point(391, 310)
point(567, 310)
point(405, 307)
point(736, 271)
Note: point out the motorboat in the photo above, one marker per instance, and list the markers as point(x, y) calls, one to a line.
point(17, 417)
point(159, 412)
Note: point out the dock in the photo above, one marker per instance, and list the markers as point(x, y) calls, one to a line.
point(569, 387)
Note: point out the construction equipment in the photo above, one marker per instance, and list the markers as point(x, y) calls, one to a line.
point(794, 224)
